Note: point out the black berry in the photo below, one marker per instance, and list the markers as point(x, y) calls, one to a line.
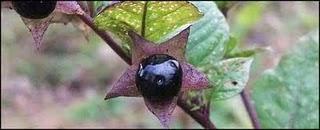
point(159, 77)
point(34, 9)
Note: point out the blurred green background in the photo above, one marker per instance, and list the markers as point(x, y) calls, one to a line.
point(63, 84)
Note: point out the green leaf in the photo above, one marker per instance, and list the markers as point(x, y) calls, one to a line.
point(231, 44)
point(160, 19)
point(246, 53)
point(208, 35)
point(288, 96)
point(228, 77)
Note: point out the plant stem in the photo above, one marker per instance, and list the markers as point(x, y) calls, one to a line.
point(201, 118)
point(245, 96)
point(89, 21)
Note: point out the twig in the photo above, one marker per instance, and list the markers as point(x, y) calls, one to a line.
point(199, 117)
point(88, 20)
point(245, 96)
point(202, 118)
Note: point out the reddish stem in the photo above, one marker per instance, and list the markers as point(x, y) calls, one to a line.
point(202, 117)
point(245, 95)
point(89, 21)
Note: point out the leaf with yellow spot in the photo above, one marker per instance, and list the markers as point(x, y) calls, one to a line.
point(152, 19)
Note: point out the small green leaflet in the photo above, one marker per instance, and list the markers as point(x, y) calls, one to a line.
point(228, 77)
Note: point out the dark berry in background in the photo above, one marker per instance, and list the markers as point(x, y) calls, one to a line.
point(34, 9)
point(159, 77)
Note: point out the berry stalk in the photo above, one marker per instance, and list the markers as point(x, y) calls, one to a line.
point(245, 96)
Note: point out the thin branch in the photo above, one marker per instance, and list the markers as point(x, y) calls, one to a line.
point(245, 96)
point(88, 20)
point(201, 118)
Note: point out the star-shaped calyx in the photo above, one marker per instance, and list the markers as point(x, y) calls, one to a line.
point(38, 15)
point(159, 74)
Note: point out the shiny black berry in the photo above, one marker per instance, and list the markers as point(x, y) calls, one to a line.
point(34, 9)
point(159, 77)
